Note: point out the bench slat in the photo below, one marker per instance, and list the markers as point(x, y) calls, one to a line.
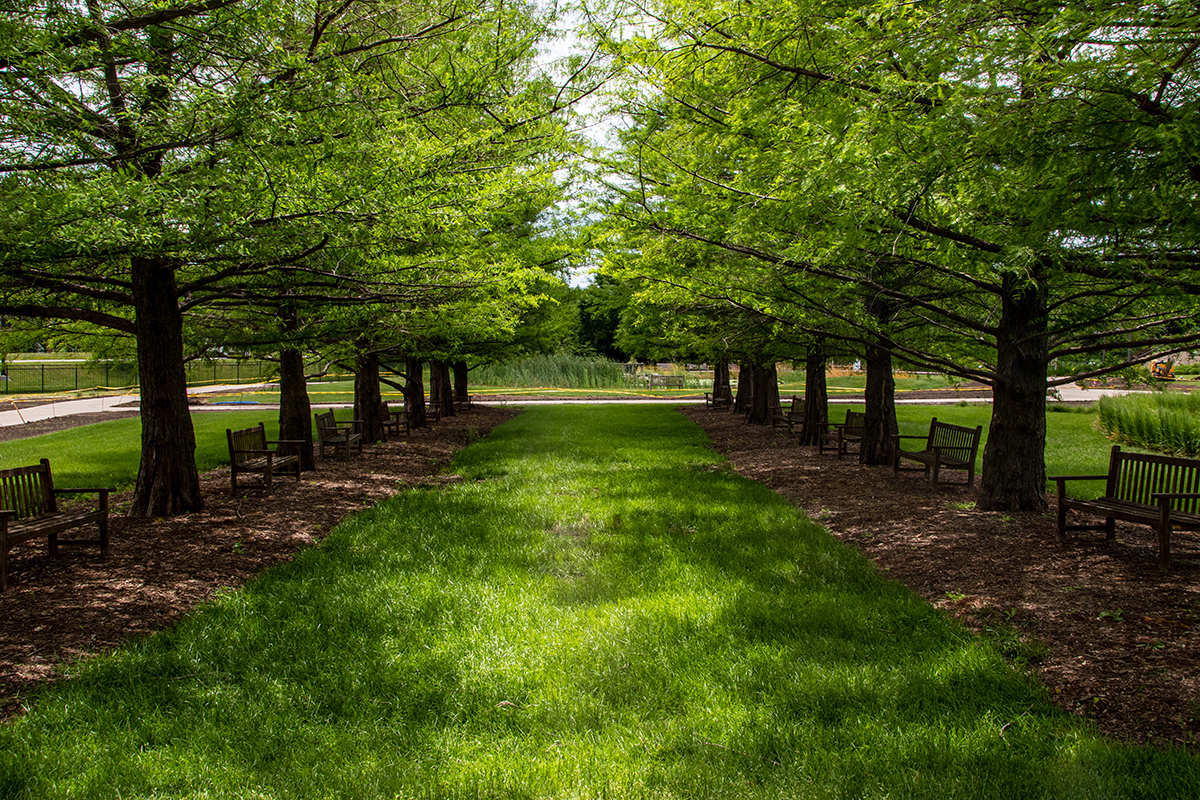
point(27, 498)
point(1132, 482)
point(248, 452)
point(933, 456)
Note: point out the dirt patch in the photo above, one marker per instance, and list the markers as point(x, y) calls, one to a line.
point(1111, 635)
point(56, 610)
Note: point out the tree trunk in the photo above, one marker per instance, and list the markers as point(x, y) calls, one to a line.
point(168, 482)
point(295, 411)
point(1014, 458)
point(763, 380)
point(367, 398)
point(816, 395)
point(445, 392)
point(741, 401)
point(879, 424)
point(721, 390)
point(461, 389)
point(414, 394)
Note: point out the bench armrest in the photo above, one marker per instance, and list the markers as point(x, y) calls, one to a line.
point(285, 441)
point(252, 452)
point(1061, 481)
point(85, 491)
point(1175, 495)
point(938, 448)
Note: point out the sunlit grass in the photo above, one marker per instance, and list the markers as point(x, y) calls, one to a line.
point(600, 609)
point(1160, 421)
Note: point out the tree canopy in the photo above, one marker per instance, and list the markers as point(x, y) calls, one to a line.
point(979, 188)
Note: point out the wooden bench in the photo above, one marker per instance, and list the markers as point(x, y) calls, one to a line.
point(946, 446)
point(341, 437)
point(664, 381)
point(248, 452)
point(793, 414)
point(393, 421)
point(1160, 491)
point(714, 401)
point(842, 435)
point(29, 510)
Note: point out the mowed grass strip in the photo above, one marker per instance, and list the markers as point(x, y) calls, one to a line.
point(600, 609)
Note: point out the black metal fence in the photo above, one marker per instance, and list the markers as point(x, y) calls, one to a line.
point(47, 378)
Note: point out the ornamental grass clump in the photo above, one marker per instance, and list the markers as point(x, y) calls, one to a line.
point(1167, 422)
point(560, 370)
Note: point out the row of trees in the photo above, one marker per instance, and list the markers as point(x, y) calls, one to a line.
point(979, 188)
point(367, 180)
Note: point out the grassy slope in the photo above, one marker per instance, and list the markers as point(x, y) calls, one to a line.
point(600, 609)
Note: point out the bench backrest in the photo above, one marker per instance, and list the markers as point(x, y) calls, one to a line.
point(326, 421)
point(855, 421)
point(943, 434)
point(29, 491)
point(1136, 476)
point(246, 439)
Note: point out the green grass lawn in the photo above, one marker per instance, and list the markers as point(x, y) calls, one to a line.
point(601, 608)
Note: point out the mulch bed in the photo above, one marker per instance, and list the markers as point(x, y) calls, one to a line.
point(1114, 638)
point(57, 610)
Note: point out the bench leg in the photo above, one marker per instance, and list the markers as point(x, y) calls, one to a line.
point(3, 566)
point(1110, 529)
point(1164, 536)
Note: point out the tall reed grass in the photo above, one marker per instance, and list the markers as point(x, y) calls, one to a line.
point(560, 370)
point(1164, 421)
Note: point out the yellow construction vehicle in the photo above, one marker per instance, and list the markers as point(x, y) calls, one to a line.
point(1163, 370)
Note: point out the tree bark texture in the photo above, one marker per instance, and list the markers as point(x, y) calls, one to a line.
point(462, 392)
point(879, 423)
point(168, 482)
point(816, 395)
point(1014, 458)
point(295, 411)
point(765, 386)
point(367, 398)
point(439, 376)
point(414, 393)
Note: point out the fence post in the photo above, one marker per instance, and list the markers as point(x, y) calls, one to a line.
point(43, 378)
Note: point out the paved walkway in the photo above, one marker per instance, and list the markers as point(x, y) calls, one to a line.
point(97, 405)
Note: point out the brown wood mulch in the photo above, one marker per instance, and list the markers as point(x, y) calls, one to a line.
point(57, 610)
point(1110, 635)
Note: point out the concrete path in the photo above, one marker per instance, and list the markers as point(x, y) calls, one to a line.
point(99, 405)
